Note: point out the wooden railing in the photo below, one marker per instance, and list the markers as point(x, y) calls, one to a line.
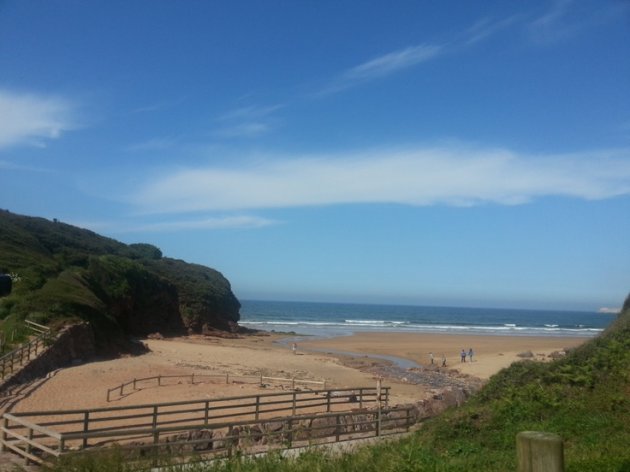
point(40, 435)
point(19, 356)
point(131, 386)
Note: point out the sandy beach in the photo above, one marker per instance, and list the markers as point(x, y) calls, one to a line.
point(85, 385)
point(491, 353)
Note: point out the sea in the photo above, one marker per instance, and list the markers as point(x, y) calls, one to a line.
point(343, 319)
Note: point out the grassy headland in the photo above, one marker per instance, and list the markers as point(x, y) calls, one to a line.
point(64, 273)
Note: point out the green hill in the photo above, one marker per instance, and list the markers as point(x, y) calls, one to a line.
point(65, 273)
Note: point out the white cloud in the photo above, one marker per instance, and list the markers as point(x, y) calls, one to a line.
point(383, 66)
point(485, 28)
point(30, 119)
point(453, 175)
point(153, 144)
point(392, 62)
point(247, 122)
point(243, 130)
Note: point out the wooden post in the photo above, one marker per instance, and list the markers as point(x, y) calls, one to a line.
point(261, 379)
point(86, 426)
point(378, 410)
point(134, 384)
point(328, 402)
point(156, 447)
point(62, 444)
point(192, 379)
point(539, 452)
point(360, 398)
point(155, 416)
point(290, 432)
point(205, 420)
point(257, 413)
point(227, 377)
point(228, 441)
point(159, 380)
point(294, 402)
point(29, 447)
point(293, 383)
point(5, 426)
point(337, 427)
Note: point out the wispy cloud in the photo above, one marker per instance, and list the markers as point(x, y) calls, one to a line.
point(243, 130)
point(453, 175)
point(383, 66)
point(30, 119)
point(392, 62)
point(211, 223)
point(159, 106)
point(486, 27)
point(153, 144)
point(247, 122)
point(566, 18)
point(7, 165)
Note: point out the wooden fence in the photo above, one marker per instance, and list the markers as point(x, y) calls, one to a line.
point(131, 386)
point(159, 428)
point(19, 356)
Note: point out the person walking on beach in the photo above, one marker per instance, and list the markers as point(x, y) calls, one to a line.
point(463, 355)
point(431, 357)
point(443, 360)
point(470, 354)
point(294, 348)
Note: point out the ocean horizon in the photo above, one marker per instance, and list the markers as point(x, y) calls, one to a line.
point(342, 319)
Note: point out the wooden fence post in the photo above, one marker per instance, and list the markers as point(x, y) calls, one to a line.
point(5, 426)
point(155, 416)
point(539, 452)
point(257, 413)
point(86, 427)
point(290, 432)
point(29, 446)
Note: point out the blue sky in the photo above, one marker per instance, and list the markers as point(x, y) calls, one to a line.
point(446, 153)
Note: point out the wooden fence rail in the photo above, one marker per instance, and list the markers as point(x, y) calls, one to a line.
point(133, 385)
point(40, 434)
point(19, 356)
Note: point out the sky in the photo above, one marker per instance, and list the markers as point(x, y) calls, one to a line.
point(448, 153)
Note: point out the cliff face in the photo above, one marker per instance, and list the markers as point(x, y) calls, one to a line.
point(67, 274)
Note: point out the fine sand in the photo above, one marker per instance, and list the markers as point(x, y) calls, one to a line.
point(86, 385)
